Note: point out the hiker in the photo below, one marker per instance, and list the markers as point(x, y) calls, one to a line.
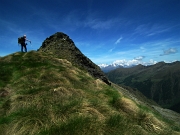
point(22, 41)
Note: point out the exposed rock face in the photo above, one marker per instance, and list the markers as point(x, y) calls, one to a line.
point(63, 47)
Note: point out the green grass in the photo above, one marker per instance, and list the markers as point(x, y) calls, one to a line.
point(117, 125)
point(114, 97)
point(76, 125)
point(48, 96)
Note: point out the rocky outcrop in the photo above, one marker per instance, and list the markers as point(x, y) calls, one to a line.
point(63, 47)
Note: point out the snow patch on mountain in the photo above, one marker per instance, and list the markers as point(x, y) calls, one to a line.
point(128, 63)
point(125, 64)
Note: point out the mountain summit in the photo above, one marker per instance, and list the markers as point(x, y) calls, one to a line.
point(63, 47)
point(41, 93)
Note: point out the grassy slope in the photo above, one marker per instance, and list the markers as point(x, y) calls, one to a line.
point(159, 82)
point(43, 95)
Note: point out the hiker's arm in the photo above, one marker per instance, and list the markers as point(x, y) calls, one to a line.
point(28, 40)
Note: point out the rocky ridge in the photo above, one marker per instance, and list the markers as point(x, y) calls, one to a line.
point(63, 47)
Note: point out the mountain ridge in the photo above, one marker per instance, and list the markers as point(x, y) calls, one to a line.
point(42, 93)
point(48, 95)
point(62, 46)
point(107, 68)
point(158, 82)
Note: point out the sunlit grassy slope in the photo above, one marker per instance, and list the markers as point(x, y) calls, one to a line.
point(44, 95)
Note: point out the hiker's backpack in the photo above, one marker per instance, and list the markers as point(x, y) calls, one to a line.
point(20, 40)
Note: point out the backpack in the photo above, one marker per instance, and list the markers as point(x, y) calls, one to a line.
point(20, 40)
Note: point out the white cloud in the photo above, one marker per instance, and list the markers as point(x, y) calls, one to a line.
point(118, 40)
point(147, 52)
point(129, 63)
point(139, 58)
point(169, 51)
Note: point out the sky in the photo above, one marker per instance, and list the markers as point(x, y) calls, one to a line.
point(106, 31)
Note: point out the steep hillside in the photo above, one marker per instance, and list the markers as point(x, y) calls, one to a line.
point(60, 45)
point(159, 82)
point(44, 95)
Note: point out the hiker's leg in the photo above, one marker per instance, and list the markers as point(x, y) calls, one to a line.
point(21, 47)
point(25, 48)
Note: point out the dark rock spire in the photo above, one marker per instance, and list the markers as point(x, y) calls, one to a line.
point(63, 47)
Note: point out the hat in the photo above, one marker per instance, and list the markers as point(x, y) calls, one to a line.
point(24, 36)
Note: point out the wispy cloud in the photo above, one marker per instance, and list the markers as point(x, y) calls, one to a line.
point(139, 58)
point(169, 51)
point(144, 52)
point(74, 21)
point(118, 40)
point(154, 48)
point(10, 27)
point(151, 30)
point(111, 49)
point(100, 24)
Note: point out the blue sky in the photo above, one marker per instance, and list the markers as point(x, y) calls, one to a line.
point(106, 31)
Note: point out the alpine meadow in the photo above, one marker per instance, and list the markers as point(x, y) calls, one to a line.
point(57, 90)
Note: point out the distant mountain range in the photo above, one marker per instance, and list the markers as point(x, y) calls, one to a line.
point(58, 90)
point(107, 68)
point(159, 82)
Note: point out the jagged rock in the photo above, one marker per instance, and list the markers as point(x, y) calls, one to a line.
point(63, 47)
